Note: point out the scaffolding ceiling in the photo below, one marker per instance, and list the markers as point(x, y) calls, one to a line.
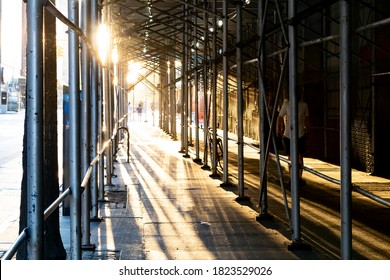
point(150, 30)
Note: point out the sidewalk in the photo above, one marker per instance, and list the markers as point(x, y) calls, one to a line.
point(174, 210)
point(163, 206)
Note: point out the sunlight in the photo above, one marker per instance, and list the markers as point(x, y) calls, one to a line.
point(165, 231)
point(103, 42)
point(11, 39)
point(107, 235)
point(134, 68)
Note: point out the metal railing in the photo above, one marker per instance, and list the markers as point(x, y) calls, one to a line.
point(56, 203)
point(35, 27)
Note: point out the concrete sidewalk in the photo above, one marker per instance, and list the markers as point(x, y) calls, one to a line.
point(163, 206)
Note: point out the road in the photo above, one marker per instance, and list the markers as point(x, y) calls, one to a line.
point(11, 146)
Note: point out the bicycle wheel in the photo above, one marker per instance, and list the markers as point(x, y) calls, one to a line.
point(219, 158)
point(210, 148)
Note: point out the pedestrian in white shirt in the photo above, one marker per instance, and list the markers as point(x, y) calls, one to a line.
point(283, 122)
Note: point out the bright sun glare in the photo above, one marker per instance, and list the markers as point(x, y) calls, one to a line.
point(11, 38)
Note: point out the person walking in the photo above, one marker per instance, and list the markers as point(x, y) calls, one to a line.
point(283, 122)
point(139, 111)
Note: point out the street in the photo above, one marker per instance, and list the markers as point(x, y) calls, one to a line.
point(11, 146)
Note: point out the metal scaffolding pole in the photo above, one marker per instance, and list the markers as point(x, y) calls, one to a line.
point(34, 129)
point(169, 89)
point(164, 91)
point(108, 130)
point(345, 131)
point(115, 87)
point(100, 133)
point(240, 105)
point(182, 95)
point(85, 122)
point(126, 100)
point(160, 106)
point(184, 86)
point(293, 106)
point(74, 131)
point(225, 95)
point(119, 101)
point(94, 115)
point(164, 87)
point(160, 109)
point(214, 173)
point(100, 117)
point(190, 91)
point(261, 109)
point(205, 89)
point(108, 113)
point(172, 85)
point(122, 99)
point(196, 86)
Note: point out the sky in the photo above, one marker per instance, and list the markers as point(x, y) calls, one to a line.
point(11, 37)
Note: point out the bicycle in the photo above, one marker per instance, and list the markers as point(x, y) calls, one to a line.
point(219, 155)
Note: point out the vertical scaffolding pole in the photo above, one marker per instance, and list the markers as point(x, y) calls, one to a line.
point(165, 101)
point(126, 98)
point(190, 91)
point(293, 106)
point(225, 94)
point(345, 131)
point(172, 83)
point(100, 133)
point(196, 85)
point(107, 120)
point(154, 93)
point(108, 95)
point(164, 88)
point(169, 89)
point(115, 92)
point(205, 88)
point(373, 108)
point(85, 125)
point(214, 173)
point(100, 117)
point(94, 116)
point(240, 105)
point(184, 86)
point(122, 97)
point(34, 127)
point(262, 115)
point(119, 99)
point(74, 140)
point(182, 96)
point(160, 109)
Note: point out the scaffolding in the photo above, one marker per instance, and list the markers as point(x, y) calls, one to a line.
point(239, 59)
